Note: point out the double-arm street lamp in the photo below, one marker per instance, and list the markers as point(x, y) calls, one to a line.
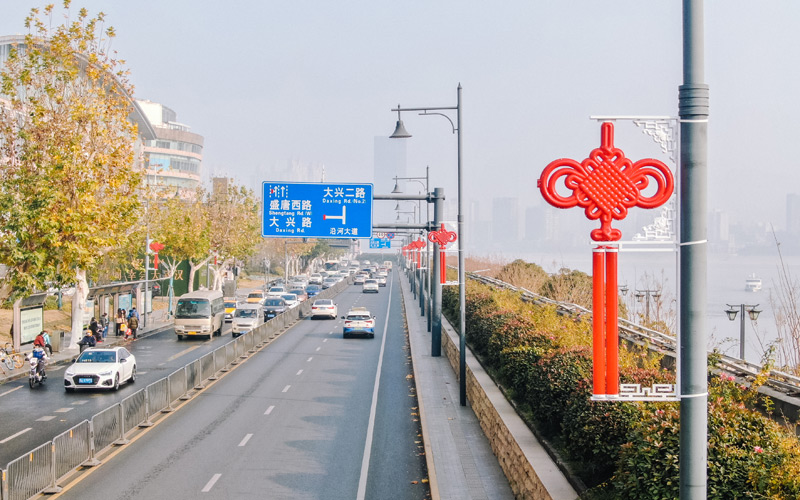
point(645, 295)
point(751, 311)
point(401, 133)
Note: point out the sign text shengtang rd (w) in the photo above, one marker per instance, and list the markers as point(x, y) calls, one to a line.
point(316, 210)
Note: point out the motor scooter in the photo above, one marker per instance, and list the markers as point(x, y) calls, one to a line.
point(37, 374)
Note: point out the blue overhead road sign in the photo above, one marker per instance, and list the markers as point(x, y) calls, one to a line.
point(380, 243)
point(316, 210)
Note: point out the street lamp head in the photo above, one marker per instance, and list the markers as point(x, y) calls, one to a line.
point(731, 313)
point(396, 187)
point(754, 313)
point(624, 290)
point(400, 130)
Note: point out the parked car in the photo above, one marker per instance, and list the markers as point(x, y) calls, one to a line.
point(101, 368)
point(313, 290)
point(370, 286)
point(273, 306)
point(230, 308)
point(324, 308)
point(247, 317)
point(358, 321)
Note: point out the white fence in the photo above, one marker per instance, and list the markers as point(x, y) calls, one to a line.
point(41, 469)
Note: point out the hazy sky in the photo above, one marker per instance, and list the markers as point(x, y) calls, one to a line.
point(266, 82)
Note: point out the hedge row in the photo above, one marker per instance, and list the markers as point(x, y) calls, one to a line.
point(621, 450)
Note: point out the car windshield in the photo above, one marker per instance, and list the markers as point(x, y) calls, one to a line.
point(247, 313)
point(289, 297)
point(370, 281)
point(275, 302)
point(255, 295)
point(276, 289)
point(192, 308)
point(230, 305)
point(97, 357)
point(312, 288)
point(322, 303)
point(358, 317)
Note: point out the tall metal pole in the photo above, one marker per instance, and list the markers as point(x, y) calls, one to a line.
point(741, 334)
point(436, 295)
point(428, 251)
point(693, 111)
point(462, 295)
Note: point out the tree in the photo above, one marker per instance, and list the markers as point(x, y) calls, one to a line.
point(65, 119)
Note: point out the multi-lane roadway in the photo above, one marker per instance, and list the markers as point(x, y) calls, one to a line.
point(312, 415)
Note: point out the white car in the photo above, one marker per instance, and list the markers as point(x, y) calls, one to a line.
point(246, 318)
point(329, 282)
point(290, 299)
point(370, 285)
point(381, 280)
point(101, 368)
point(315, 279)
point(324, 308)
point(276, 291)
point(358, 320)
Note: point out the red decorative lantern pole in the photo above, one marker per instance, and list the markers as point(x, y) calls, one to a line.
point(606, 185)
point(442, 237)
point(156, 247)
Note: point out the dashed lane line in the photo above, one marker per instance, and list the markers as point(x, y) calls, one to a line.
point(20, 387)
point(210, 483)
point(9, 438)
point(269, 410)
point(299, 372)
point(286, 389)
point(245, 440)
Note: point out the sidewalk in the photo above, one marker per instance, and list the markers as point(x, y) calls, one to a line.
point(461, 464)
point(157, 322)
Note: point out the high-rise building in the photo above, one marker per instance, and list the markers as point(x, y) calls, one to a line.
point(173, 159)
point(505, 220)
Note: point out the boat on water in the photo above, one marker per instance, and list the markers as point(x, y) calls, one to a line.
point(752, 284)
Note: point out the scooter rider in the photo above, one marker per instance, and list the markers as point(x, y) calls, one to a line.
point(41, 356)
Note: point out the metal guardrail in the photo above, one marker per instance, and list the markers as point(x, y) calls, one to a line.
point(782, 382)
point(41, 469)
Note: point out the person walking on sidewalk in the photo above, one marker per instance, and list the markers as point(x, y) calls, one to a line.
point(133, 323)
point(95, 329)
point(120, 319)
point(104, 325)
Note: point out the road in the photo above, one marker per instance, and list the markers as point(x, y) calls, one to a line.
point(311, 416)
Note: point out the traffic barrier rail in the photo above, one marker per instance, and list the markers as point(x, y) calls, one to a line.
point(41, 469)
point(72, 449)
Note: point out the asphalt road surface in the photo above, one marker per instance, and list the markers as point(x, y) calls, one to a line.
point(311, 416)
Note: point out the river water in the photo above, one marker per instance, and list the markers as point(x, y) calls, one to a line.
point(725, 281)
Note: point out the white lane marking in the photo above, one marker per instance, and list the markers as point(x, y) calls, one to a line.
point(318, 348)
point(9, 438)
point(324, 340)
point(80, 402)
point(362, 482)
point(308, 360)
point(245, 440)
point(210, 483)
point(46, 418)
point(286, 389)
point(299, 372)
point(63, 410)
point(269, 410)
point(20, 387)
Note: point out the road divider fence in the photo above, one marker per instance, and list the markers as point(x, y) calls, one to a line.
point(43, 468)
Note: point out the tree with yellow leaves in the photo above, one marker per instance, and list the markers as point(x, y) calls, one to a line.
point(68, 182)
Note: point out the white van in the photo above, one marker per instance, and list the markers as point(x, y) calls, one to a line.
point(246, 318)
point(200, 313)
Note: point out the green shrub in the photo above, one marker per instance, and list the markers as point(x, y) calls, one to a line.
point(554, 379)
point(516, 367)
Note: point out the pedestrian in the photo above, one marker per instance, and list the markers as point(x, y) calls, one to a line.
point(133, 323)
point(133, 312)
point(94, 327)
point(46, 335)
point(119, 320)
point(104, 325)
point(88, 340)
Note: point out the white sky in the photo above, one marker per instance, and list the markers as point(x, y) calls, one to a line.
point(267, 81)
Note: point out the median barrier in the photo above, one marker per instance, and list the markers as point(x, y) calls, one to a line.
point(134, 411)
point(72, 449)
point(107, 427)
point(31, 473)
point(157, 397)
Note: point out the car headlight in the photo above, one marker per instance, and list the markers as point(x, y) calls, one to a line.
point(70, 372)
point(106, 373)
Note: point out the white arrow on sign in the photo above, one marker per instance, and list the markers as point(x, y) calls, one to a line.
point(342, 217)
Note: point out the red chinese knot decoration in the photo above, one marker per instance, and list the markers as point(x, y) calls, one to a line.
point(606, 185)
point(442, 237)
point(156, 247)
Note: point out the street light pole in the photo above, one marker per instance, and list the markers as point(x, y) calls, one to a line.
point(751, 311)
point(646, 294)
point(400, 132)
